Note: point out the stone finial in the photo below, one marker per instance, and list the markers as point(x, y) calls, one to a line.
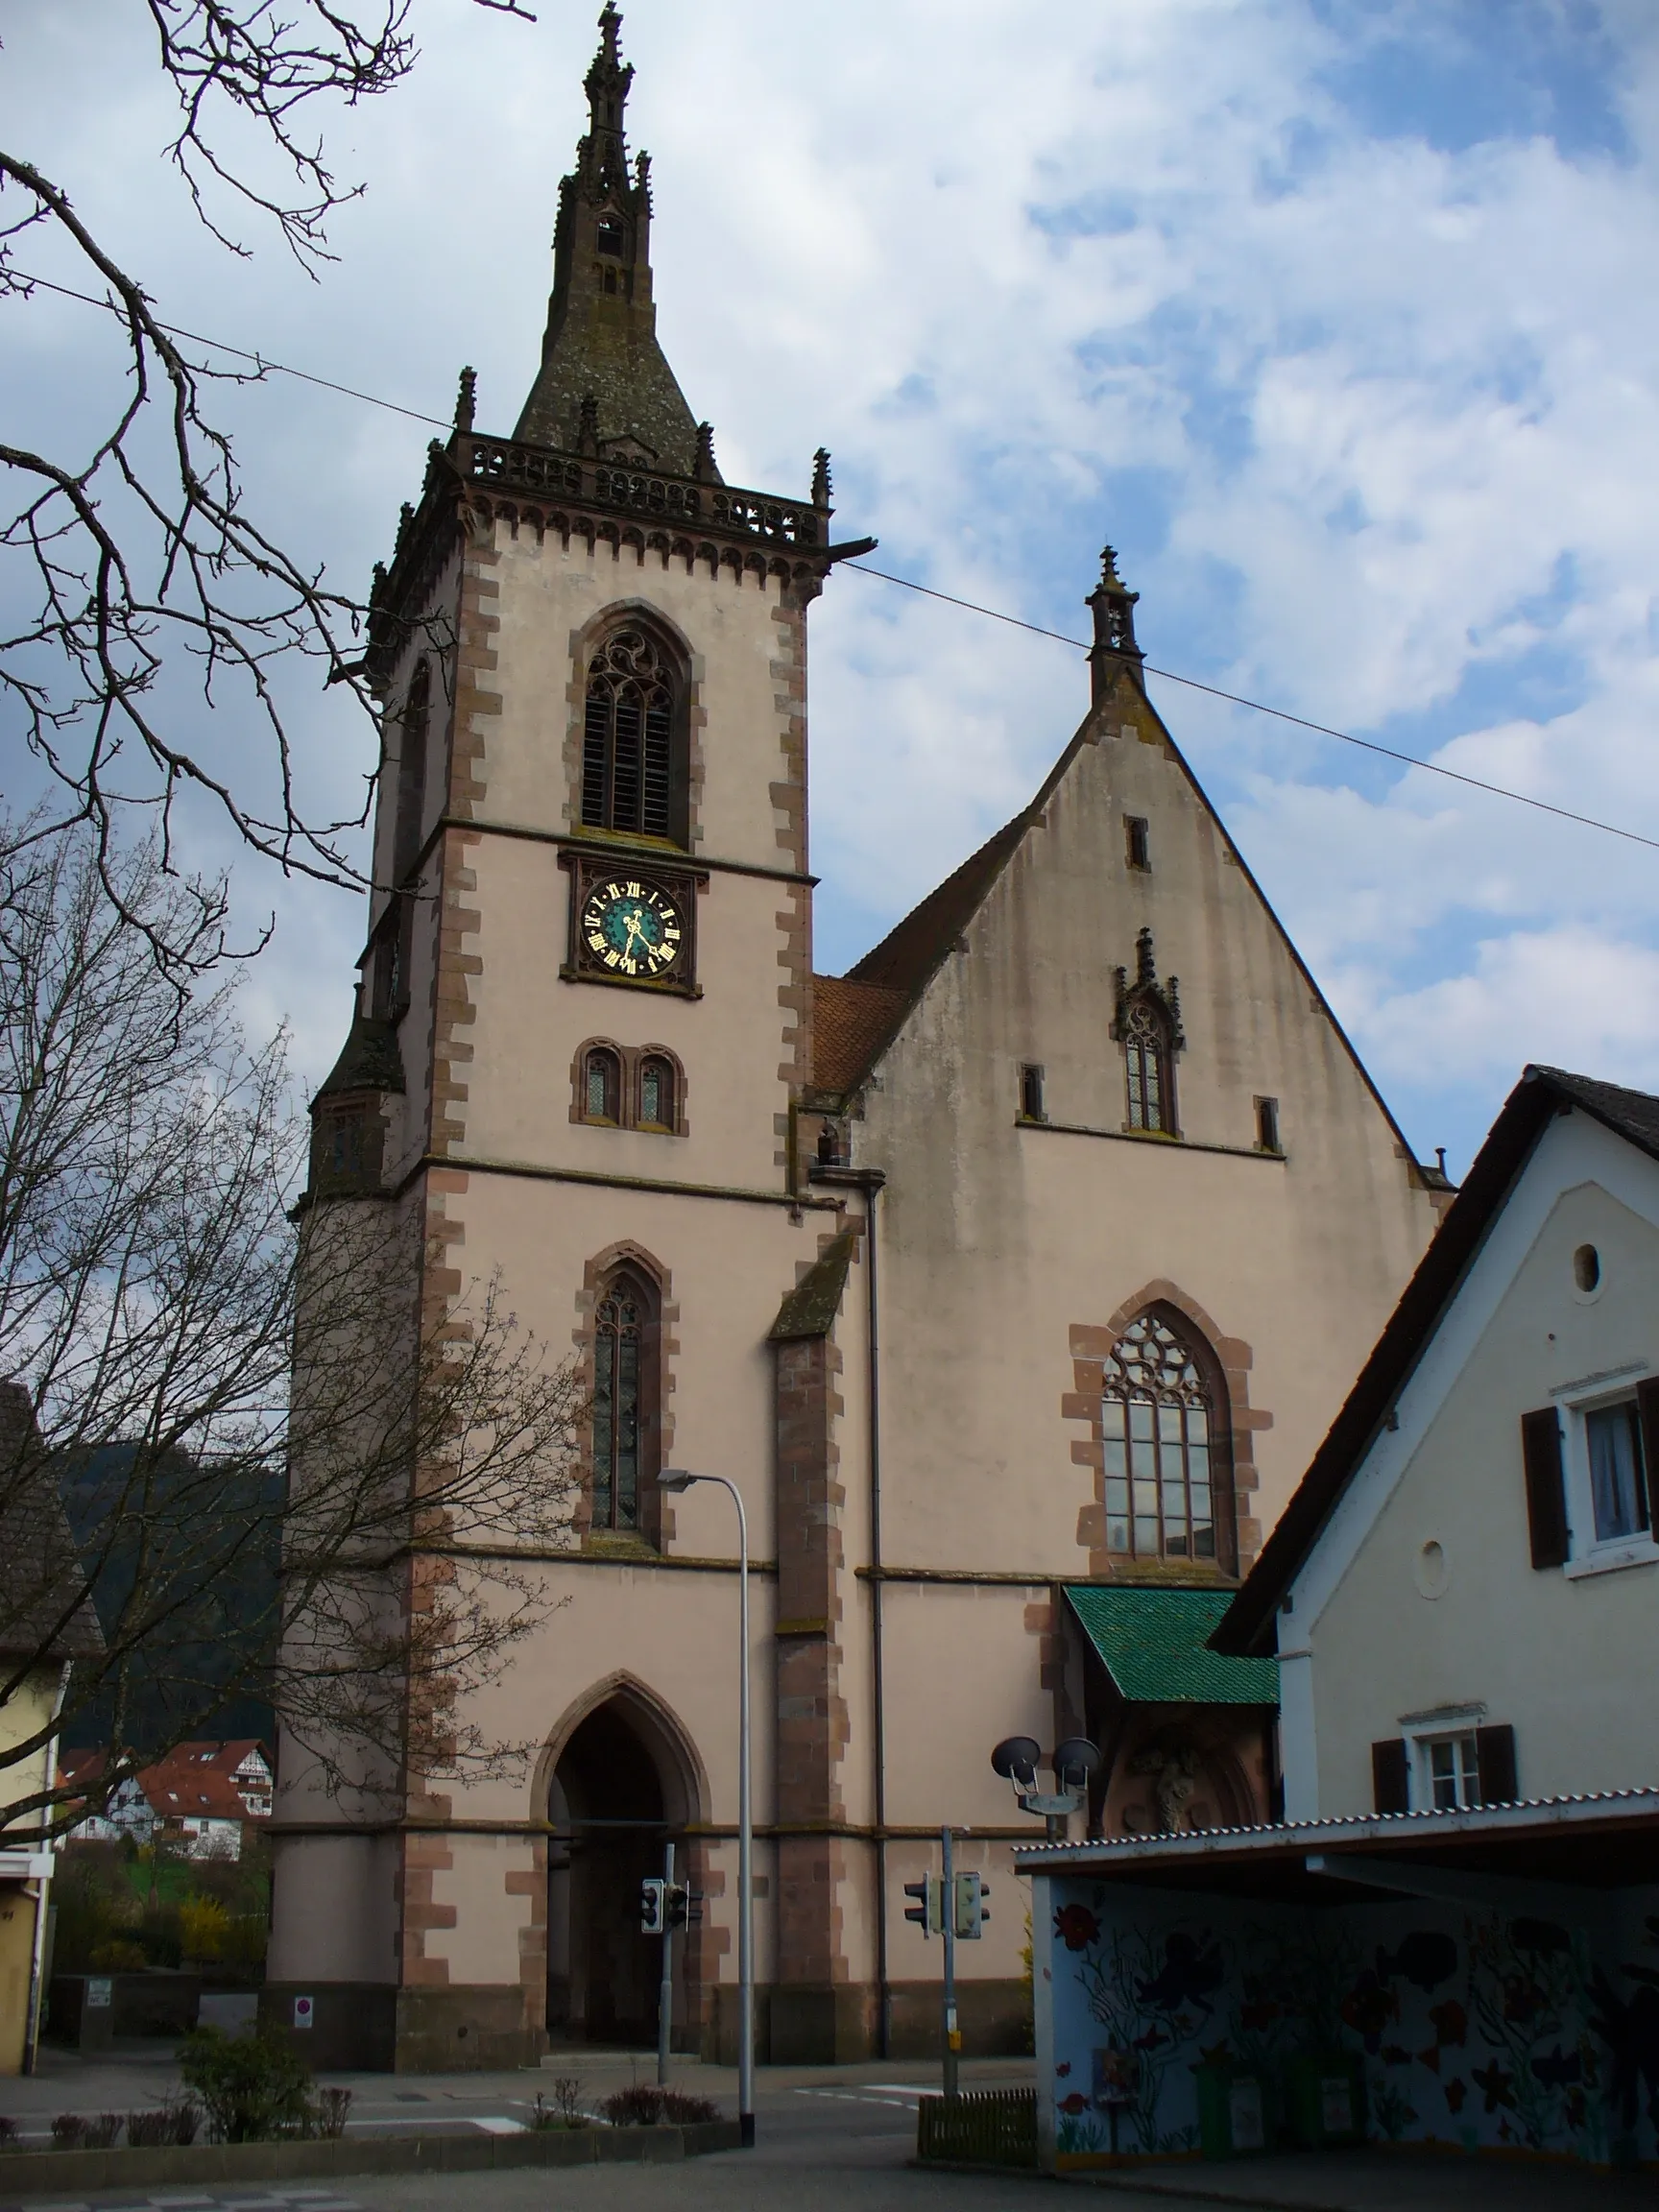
point(587, 429)
point(1145, 966)
point(466, 400)
point(610, 26)
point(821, 485)
point(703, 468)
point(643, 179)
point(377, 586)
point(406, 518)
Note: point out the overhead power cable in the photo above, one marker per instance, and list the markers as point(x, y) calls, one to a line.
point(264, 364)
point(1280, 714)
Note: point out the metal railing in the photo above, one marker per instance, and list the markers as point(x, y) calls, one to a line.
point(979, 2127)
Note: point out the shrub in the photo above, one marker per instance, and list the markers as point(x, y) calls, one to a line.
point(250, 2087)
point(177, 2122)
point(121, 1955)
point(94, 1903)
point(73, 2131)
point(685, 2111)
point(203, 1924)
point(331, 2110)
point(645, 2105)
point(568, 2097)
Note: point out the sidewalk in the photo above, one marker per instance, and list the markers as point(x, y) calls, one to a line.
point(1385, 2182)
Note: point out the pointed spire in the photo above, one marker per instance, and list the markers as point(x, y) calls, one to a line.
point(821, 485)
point(467, 400)
point(704, 467)
point(1114, 608)
point(601, 336)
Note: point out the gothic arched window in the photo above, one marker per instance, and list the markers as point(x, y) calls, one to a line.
point(1167, 1489)
point(622, 1339)
point(602, 1086)
point(655, 1093)
point(631, 775)
point(1148, 1066)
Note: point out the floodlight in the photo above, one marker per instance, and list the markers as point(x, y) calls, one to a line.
point(1016, 1759)
point(677, 1478)
point(1075, 1757)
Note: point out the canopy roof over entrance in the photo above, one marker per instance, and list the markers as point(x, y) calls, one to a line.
point(1154, 1643)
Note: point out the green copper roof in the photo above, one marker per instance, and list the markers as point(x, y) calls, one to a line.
point(1153, 1643)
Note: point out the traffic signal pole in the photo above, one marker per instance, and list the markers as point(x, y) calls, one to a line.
point(952, 2041)
point(666, 1993)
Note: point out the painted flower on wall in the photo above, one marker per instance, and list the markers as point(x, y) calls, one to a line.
point(1076, 1927)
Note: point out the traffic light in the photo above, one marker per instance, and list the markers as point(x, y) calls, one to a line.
point(969, 1911)
point(928, 1910)
point(653, 1906)
point(677, 1906)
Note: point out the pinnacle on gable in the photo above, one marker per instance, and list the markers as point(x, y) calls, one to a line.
point(1112, 605)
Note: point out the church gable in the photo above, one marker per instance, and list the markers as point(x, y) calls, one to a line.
point(1089, 919)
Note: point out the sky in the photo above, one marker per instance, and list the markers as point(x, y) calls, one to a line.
point(1336, 317)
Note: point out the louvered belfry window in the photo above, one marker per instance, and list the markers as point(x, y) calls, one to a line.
point(628, 741)
point(1157, 1424)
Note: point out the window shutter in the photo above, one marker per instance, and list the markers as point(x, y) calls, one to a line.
point(1495, 1760)
point(1648, 1412)
point(1389, 1783)
point(1546, 1490)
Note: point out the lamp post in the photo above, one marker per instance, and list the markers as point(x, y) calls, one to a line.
point(677, 1478)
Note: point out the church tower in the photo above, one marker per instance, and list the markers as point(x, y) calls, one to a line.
point(1010, 1281)
point(581, 1043)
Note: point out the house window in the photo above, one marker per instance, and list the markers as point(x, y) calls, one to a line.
point(630, 738)
point(1137, 849)
point(1267, 1125)
point(1448, 1771)
point(1031, 1095)
point(602, 1086)
point(1617, 1493)
point(656, 1094)
point(1147, 1053)
point(618, 1360)
point(1159, 1431)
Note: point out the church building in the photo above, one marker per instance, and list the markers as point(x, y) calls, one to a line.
point(1014, 1277)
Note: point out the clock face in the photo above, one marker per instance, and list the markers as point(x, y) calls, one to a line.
point(631, 928)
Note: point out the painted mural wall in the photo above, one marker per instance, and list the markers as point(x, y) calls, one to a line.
point(1473, 2029)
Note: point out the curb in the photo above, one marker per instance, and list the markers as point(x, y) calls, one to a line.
point(36, 2173)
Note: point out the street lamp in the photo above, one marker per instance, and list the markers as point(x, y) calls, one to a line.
point(677, 1478)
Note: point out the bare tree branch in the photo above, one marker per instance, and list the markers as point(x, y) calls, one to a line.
point(362, 1555)
point(137, 558)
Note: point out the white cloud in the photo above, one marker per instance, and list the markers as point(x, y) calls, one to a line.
point(1373, 422)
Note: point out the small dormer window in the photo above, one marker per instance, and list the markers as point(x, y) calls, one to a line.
point(610, 237)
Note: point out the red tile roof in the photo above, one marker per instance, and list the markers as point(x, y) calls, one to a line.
point(851, 1023)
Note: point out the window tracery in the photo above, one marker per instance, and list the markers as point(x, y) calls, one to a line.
point(655, 1093)
point(638, 1087)
point(1160, 1427)
point(602, 1085)
point(622, 1336)
point(631, 775)
point(1147, 1024)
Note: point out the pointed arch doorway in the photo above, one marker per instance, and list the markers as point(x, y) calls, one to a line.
point(622, 1785)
